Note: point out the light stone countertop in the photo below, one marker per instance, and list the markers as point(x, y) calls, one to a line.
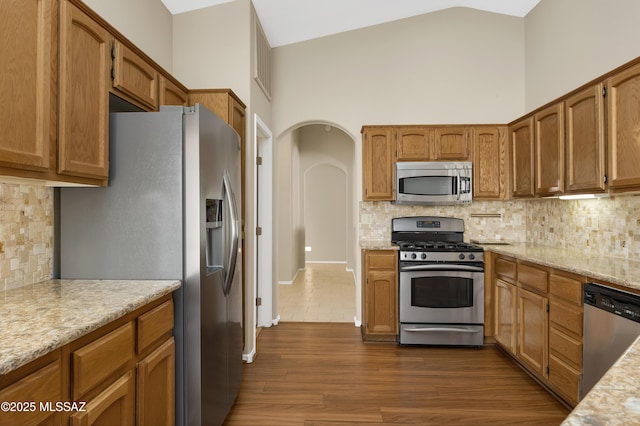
point(378, 245)
point(614, 270)
point(39, 318)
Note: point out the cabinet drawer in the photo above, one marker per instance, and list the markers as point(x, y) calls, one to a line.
point(566, 317)
point(564, 379)
point(101, 358)
point(565, 347)
point(153, 325)
point(567, 287)
point(383, 259)
point(42, 385)
point(505, 268)
point(534, 278)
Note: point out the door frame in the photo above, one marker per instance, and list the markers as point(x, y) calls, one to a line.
point(263, 217)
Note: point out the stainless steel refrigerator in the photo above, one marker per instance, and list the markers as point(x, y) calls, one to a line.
point(171, 212)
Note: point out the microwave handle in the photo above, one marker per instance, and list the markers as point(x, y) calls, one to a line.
point(459, 186)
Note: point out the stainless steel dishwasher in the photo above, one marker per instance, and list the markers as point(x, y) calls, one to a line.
point(611, 325)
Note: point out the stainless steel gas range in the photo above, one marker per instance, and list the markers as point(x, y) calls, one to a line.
point(441, 291)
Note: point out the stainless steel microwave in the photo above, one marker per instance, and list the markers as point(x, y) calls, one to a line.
point(434, 183)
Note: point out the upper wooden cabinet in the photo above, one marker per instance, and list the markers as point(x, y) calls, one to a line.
point(378, 156)
point(27, 87)
point(414, 143)
point(134, 79)
point(85, 81)
point(171, 93)
point(451, 143)
point(522, 151)
point(623, 113)
point(585, 142)
point(549, 144)
point(490, 162)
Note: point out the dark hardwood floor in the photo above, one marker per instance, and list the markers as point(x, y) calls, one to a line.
point(323, 374)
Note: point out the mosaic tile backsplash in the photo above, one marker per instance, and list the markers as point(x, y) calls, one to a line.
point(26, 234)
point(607, 226)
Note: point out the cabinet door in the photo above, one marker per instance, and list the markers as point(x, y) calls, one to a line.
point(585, 147)
point(27, 83)
point(623, 135)
point(85, 66)
point(381, 293)
point(171, 94)
point(452, 143)
point(382, 299)
point(43, 385)
point(134, 77)
point(490, 163)
point(505, 315)
point(549, 142)
point(113, 406)
point(522, 150)
point(414, 143)
point(377, 164)
point(156, 386)
point(533, 331)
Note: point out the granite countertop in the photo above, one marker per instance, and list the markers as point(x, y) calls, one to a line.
point(614, 270)
point(378, 245)
point(39, 318)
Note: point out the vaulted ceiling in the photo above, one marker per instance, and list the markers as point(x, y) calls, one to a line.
point(290, 21)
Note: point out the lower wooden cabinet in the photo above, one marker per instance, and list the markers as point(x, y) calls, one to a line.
point(539, 321)
point(506, 325)
point(380, 295)
point(42, 385)
point(533, 326)
point(121, 374)
point(113, 406)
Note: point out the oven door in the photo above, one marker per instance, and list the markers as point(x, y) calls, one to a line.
point(441, 294)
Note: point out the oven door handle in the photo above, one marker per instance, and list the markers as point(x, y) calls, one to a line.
point(443, 329)
point(442, 267)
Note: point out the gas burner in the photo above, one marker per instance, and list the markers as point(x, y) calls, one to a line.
point(437, 246)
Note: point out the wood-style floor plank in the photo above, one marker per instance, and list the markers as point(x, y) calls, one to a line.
point(323, 374)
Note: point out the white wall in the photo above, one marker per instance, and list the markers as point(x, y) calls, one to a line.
point(453, 66)
point(570, 42)
point(147, 24)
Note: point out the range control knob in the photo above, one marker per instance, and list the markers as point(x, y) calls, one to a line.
point(461, 256)
point(472, 256)
point(423, 256)
point(413, 256)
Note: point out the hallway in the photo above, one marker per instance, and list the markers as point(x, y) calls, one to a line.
point(323, 292)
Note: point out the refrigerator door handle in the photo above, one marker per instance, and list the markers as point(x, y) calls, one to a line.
point(233, 255)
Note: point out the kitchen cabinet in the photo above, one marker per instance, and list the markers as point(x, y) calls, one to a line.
point(414, 143)
point(549, 155)
point(378, 158)
point(566, 314)
point(433, 143)
point(380, 295)
point(490, 162)
point(533, 331)
point(522, 150)
point(585, 141)
point(124, 371)
point(451, 143)
point(172, 93)
point(505, 307)
point(28, 84)
point(85, 81)
point(623, 116)
point(41, 382)
point(134, 79)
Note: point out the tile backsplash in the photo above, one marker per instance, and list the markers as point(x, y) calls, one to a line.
point(607, 226)
point(26, 234)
